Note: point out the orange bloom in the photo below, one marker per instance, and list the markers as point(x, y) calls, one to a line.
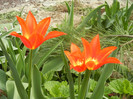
point(92, 57)
point(33, 34)
point(76, 58)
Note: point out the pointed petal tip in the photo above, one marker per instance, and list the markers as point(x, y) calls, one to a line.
point(97, 35)
point(29, 11)
point(82, 39)
point(17, 17)
point(48, 18)
point(13, 33)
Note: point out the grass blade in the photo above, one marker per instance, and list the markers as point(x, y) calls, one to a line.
point(70, 18)
point(68, 7)
point(88, 17)
point(45, 56)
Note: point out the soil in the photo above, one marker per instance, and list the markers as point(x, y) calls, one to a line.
point(56, 9)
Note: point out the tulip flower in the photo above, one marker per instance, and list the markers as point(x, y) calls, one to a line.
point(92, 58)
point(33, 34)
point(76, 58)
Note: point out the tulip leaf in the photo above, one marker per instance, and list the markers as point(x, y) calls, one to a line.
point(88, 17)
point(36, 84)
point(12, 90)
point(54, 64)
point(20, 87)
point(20, 64)
point(2, 80)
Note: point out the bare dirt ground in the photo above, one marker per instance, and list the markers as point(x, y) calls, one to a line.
point(56, 9)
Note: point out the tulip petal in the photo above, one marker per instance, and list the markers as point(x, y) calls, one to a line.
point(95, 44)
point(71, 59)
point(31, 22)
point(42, 27)
point(108, 60)
point(25, 41)
point(74, 48)
point(53, 34)
point(87, 49)
point(36, 40)
point(112, 60)
point(25, 30)
point(103, 54)
point(79, 68)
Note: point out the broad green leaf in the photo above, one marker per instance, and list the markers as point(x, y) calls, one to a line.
point(12, 90)
point(127, 86)
point(107, 90)
point(36, 84)
point(92, 84)
point(117, 86)
point(53, 65)
point(57, 89)
point(48, 76)
point(121, 86)
point(20, 87)
point(2, 80)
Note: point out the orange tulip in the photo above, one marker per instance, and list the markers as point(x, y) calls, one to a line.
point(33, 34)
point(76, 58)
point(92, 57)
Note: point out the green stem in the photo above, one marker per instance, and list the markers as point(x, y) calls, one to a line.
point(30, 67)
point(84, 87)
point(69, 75)
point(79, 81)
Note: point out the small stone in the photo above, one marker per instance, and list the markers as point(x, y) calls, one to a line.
point(5, 4)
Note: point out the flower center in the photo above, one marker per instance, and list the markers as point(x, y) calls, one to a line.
point(78, 63)
point(91, 63)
